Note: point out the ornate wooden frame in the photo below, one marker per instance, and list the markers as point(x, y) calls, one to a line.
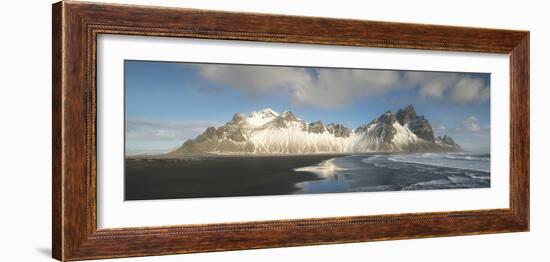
point(76, 26)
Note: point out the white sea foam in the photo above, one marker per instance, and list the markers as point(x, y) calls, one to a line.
point(465, 157)
point(324, 169)
point(356, 173)
point(478, 177)
point(450, 160)
point(458, 179)
point(438, 183)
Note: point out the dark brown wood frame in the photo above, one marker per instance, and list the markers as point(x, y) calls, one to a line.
point(76, 26)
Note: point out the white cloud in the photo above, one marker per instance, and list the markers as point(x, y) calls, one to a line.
point(471, 135)
point(469, 90)
point(329, 88)
point(433, 89)
point(455, 87)
point(470, 124)
point(432, 84)
point(254, 79)
point(155, 130)
point(145, 136)
point(333, 88)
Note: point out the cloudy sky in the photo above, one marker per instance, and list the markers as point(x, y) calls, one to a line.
point(167, 103)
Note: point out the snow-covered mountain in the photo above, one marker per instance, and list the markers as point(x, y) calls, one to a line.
point(268, 132)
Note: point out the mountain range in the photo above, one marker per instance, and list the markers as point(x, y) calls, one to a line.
point(268, 132)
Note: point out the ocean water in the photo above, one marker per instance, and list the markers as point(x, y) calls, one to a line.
point(396, 172)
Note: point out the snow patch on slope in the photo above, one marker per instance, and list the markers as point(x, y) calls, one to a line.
point(262, 117)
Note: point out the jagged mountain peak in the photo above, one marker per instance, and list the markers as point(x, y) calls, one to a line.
point(387, 117)
point(287, 120)
point(288, 115)
point(316, 127)
point(238, 117)
point(268, 132)
point(338, 130)
point(261, 117)
point(265, 112)
point(448, 142)
point(446, 139)
point(419, 125)
point(406, 114)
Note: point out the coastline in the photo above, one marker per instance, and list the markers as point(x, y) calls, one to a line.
point(263, 175)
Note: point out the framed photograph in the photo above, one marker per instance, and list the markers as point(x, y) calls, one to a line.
point(181, 130)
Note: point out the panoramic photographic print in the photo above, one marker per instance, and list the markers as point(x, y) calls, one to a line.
point(195, 130)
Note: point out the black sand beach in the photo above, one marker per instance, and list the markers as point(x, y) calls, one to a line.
point(197, 177)
point(224, 176)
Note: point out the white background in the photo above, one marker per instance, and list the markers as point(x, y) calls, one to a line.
point(25, 147)
point(114, 212)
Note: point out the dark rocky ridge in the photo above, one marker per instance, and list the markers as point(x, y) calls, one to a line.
point(316, 127)
point(388, 132)
point(234, 136)
point(339, 130)
point(417, 124)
